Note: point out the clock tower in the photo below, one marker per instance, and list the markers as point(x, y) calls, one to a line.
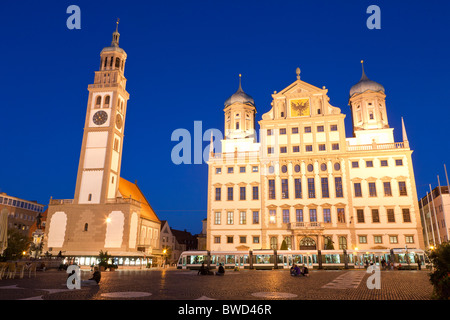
point(101, 151)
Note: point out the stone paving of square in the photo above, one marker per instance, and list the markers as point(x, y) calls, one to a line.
point(173, 284)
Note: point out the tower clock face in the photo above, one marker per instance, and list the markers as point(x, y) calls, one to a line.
point(119, 121)
point(100, 117)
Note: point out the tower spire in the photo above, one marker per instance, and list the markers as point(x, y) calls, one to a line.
point(240, 86)
point(363, 77)
point(116, 35)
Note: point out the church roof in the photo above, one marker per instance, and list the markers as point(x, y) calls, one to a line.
point(365, 84)
point(240, 96)
point(128, 189)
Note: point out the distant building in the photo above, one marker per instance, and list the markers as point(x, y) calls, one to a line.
point(170, 243)
point(435, 216)
point(201, 237)
point(21, 213)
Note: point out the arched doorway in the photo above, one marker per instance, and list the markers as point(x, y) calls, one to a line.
point(307, 243)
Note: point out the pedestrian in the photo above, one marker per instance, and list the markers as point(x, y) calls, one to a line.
point(295, 270)
point(383, 263)
point(203, 270)
point(419, 264)
point(95, 280)
point(221, 270)
point(305, 271)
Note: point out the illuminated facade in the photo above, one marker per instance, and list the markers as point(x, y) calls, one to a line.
point(107, 213)
point(305, 185)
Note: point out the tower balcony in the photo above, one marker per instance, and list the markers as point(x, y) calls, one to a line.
point(377, 146)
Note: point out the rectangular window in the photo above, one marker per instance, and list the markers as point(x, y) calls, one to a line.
point(398, 162)
point(242, 239)
point(325, 191)
point(369, 164)
point(242, 193)
point(387, 189)
point(270, 150)
point(272, 216)
point(286, 216)
point(311, 188)
point(390, 215)
point(284, 189)
point(406, 215)
point(242, 217)
point(269, 132)
point(230, 217)
point(298, 188)
point(255, 169)
point(229, 239)
point(362, 239)
point(393, 239)
point(216, 239)
point(341, 215)
point(307, 129)
point(294, 130)
point(242, 169)
point(357, 187)
point(338, 186)
point(377, 239)
point(308, 148)
point(384, 163)
point(255, 217)
point(409, 239)
point(355, 164)
point(282, 130)
point(320, 129)
point(217, 217)
point(230, 169)
point(372, 189)
point(230, 193)
point(326, 216)
point(312, 215)
point(255, 193)
point(335, 146)
point(375, 215)
point(218, 194)
point(333, 127)
point(256, 239)
point(271, 189)
point(295, 149)
point(360, 215)
point(322, 147)
point(402, 188)
point(283, 149)
point(299, 215)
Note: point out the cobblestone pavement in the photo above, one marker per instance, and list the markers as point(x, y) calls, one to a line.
point(172, 284)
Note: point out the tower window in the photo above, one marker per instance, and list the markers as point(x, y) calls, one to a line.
point(106, 61)
point(111, 62)
point(86, 227)
point(371, 115)
point(237, 125)
point(117, 63)
point(107, 100)
point(90, 197)
point(98, 102)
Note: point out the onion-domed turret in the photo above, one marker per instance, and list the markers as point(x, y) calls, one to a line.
point(240, 96)
point(365, 84)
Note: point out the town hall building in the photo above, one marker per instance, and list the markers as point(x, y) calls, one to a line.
point(304, 184)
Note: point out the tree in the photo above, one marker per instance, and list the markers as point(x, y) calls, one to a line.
point(104, 257)
point(17, 243)
point(284, 245)
point(440, 277)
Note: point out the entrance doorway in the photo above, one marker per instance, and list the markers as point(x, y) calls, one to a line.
point(307, 243)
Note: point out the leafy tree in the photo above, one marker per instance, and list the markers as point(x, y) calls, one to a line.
point(104, 257)
point(284, 245)
point(440, 277)
point(17, 243)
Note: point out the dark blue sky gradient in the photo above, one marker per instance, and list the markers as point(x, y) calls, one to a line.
point(184, 58)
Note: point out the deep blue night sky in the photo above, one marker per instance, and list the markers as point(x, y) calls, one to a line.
point(184, 58)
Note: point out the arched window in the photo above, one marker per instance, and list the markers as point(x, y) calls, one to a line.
point(98, 102)
point(107, 100)
point(86, 227)
point(307, 243)
point(237, 125)
point(90, 197)
point(106, 61)
point(117, 63)
point(111, 62)
point(288, 241)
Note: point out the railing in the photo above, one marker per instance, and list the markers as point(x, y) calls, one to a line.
point(306, 225)
point(239, 155)
point(377, 146)
point(60, 201)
